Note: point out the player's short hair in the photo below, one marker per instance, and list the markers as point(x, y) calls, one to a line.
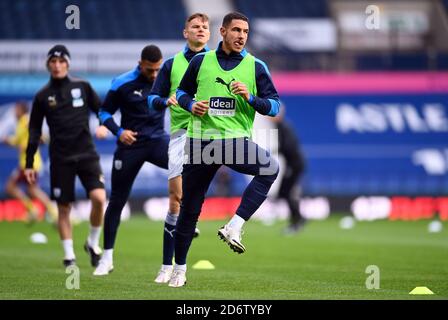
point(151, 53)
point(202, 16)
point(233, 16)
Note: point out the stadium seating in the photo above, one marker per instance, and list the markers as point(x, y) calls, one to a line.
point(401, 62)
point(113, 19)
point(282, 9)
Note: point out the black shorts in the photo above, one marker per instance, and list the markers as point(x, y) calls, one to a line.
point(63, 175)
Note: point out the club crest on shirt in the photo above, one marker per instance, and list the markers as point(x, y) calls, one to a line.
point(118, 164)
point(77, 98)
point(76, 93)
point(52, 101)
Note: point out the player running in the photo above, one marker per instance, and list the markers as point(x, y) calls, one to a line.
point(163, 94)
point(223, 90)
point(20, 141)
point(66, 103)
point(140, 138)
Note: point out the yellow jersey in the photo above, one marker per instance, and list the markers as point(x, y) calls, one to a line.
point(20, 140)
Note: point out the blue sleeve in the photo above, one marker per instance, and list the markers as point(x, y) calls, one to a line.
point(161, 88)
point(110, 106)
point(267, 101)
point(188, 85)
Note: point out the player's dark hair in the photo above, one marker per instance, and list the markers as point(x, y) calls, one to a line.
point(233, 16)
point(151, 53)
point(202, 16)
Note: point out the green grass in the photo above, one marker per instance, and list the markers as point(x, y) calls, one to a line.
point(323, 262)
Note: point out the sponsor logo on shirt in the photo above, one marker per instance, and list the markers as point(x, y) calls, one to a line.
point(221, 106)
point(138, 92)
point(226, 84)
point(52, 101)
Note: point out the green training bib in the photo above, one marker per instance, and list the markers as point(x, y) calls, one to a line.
point(229, 116)
point(179, 118)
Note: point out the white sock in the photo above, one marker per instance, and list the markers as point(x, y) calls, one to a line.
point(166, 267)
point(108, 255)
point(180, 267)
point(171, 218)
point(236, 222)
point(94, 236)
point(67, 244)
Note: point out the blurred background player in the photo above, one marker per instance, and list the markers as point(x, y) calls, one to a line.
point(237, 85)
point(65, 102)
point(293, 169)
point(163, 94)
point(141, 138)
point(20, 141)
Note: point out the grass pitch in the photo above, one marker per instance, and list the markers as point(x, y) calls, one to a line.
point(322, 262)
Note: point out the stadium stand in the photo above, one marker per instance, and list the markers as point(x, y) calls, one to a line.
point(114, 19)
point(283, 9)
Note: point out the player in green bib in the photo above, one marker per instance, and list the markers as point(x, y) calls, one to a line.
point(223, 89)
point(163, 94)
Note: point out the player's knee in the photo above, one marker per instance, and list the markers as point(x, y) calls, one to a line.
point(98, 197)
point(64, 209)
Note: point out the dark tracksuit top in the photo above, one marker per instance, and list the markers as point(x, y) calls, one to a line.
point(161, 88)
point(66, 105)
point(129, 93)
